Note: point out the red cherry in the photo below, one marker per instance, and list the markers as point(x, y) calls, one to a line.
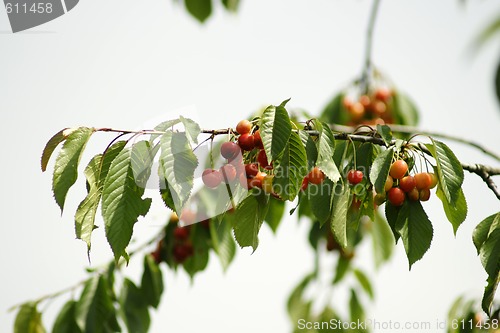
point(243, 127)
point(424, 194)
point(182, 252)
point(262, 159)
point(188, 217)
point(305, 184)
point(407, 183)
point(228, 172)
point(211, 178)
point(398, 169)
point(383, 94)
point(414, 195)
point(246, 141)
point(316, 176)
point(258, 140)
point(181, 233)
point(229, 150)
point(251, 170)
point(396, 196)
point(355, 176)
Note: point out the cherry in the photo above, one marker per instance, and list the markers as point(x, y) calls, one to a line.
point(243, 127)
point(425, 194)
point(229, 150)
point(423, 181)
point(305, 184)
point(347, 102)
point(388, 183)
point(383, 94)
point(228, 172)
point(414, 195)
point(316, 176)
point(181, 233)
point(258, 140)
point(188, 217)
point(434, 180)
point(396, 196)
point(398, 169)
point(365, 100)
point(407, 183)
point(182, 252)
point(246, 141)
point(355, 176)
point(267, 184)
point(251, 170)
point(357, 111)
point(211, 178)
point(262, 159)
point(257, 180)
point(379, 107)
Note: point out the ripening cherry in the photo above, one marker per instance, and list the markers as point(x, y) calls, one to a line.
point(211, 178)
point(423, 181)
point(434, 180)
point(365, 100)
point(357, 111)
point(396, 196)
point(229, 150)
point(244, 127)
point(257, 180)
point(267, 184)
point(383, 94)
point(347, 102)
point(407, 183)
point(378, 107)
point(398, 169)
point(246, 142)
point(316, 176)
point(258, 140)
point(413, 195)
point(388, 183)
point(181, 233)
point(228, 173)
point(262, 159)
point(355, 176)
point(305, 184)
point(251, 170)
point(425, 194)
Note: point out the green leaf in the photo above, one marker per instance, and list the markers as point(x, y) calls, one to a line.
point(275, 213)
point(415, 229)
point(231, 5)
point(382, 238)
point(223, 242)
point(152, 282)
point(489, 252)
point(404, 109)
point(291, 169)
point(248, 219)
point(449, 170)
point(122, 202)
point(364, 282)
point(326, 148)
point(482, 230)
point(66, 319)
point(295, 304)
point(386, 133)
point(28, 319)
point(163, 127)
point(275, 130)
point(355, 308)
point(338, 220)
point(199, 260)
point(176, 170)
point(134, 308)
point(94, 311)
point(192, 129)
point(391, 214)
point(456, 213)
point(310, 147)
point(95, 173)
point(51, 146)
point(320, 199)
point(380, 169)
point(66, 167)
point(489, 293)
point(343, 266)
point(334, 112)
point(200, 9)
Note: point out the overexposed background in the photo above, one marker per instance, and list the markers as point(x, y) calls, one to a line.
point(121, 63)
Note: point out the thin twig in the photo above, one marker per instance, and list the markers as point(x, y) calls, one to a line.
point(365, 75)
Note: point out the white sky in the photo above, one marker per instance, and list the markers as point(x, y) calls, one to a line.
point(123, 63)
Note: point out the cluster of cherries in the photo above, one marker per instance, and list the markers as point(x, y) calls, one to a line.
point(400, 185)
point(370, 109)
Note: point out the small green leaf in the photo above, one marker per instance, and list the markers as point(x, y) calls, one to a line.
point(223, 242)
point(94, 311)
point(355, 307)
point(248, 219)
point(275, 213)
point(391, 214)
point(200, 9)
point(275, 130)
point(134, 309)
point(163, 127)
point(51, 146)
point(382, 238)
point(490, 250)
point(295, 303)
point(66, 319)
point(291, 169)
point(343, 266)
point(456, 213)
point(338, 220)
point(199, 260)
point(449, 170)
point(66, 167)
point(386, 133)
point(311, 149)
point(231, 5)
point(192, 129)
point(152, 282)
point(326, 148)
point(122, 202)
point(404, 109)
point(334, 112)
point(320, 199)
point(489, 293)
point(415, 229)
point(380, 169)
point(364, 282)
point(28, 319)
point(482, 230)
point(176, 170)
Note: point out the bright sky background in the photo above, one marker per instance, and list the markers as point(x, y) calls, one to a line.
point(122, 63)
